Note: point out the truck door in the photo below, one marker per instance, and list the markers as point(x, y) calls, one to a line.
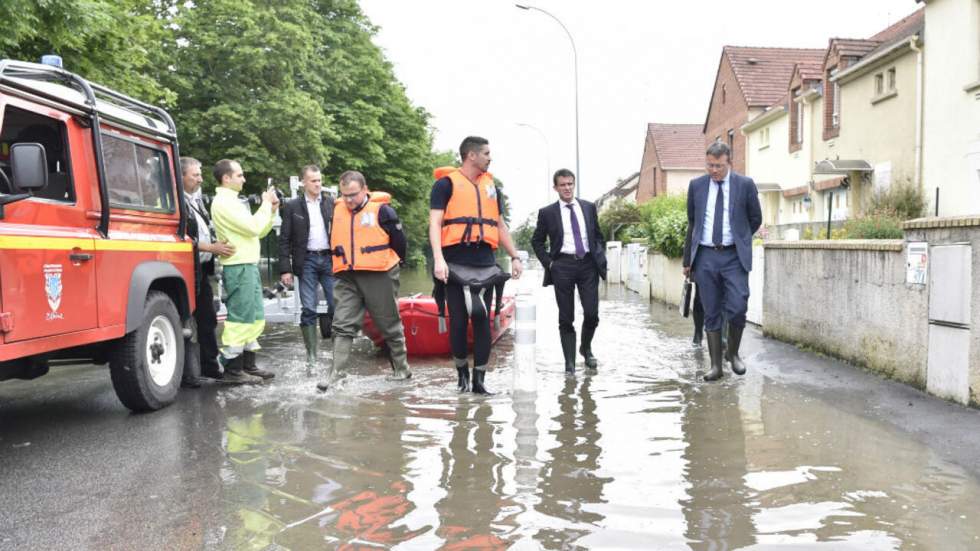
point(47, 245)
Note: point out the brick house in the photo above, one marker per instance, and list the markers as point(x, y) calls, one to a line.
point(672, 155)
point(749, 80)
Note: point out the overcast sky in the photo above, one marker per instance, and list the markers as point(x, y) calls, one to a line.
point(483, 67)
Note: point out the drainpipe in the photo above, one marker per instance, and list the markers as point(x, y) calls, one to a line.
point(917, 175)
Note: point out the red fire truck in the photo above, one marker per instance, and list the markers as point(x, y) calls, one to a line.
point(95, 266)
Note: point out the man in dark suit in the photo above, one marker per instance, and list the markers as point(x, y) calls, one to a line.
point(575, 257)
point(723, 213)
point(202, 357)
point(304, 251)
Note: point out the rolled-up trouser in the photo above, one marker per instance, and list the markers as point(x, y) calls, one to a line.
point(246, 313)
point(377, 292)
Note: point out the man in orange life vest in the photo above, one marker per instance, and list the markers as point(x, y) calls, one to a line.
point(465, 228)
point(368, 247)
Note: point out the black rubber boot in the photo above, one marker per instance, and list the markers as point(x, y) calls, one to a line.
point(731, 352)
point(248, 366)
point(463, 373)
point(586, 348)
point(714, 350)
point(478, 386)
point(568, 349)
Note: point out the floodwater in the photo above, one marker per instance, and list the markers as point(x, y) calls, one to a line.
point(639, 455)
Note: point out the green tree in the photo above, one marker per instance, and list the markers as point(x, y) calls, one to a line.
point(618, 217)
point(282, 84)
point(116, 43)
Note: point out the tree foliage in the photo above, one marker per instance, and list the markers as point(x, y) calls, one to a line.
point(618, 217)
point(117, 43)
point(275, 85)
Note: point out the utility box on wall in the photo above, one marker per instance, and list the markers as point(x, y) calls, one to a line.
point(950, 311)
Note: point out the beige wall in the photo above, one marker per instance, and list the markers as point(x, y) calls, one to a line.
point(677, 180)
point(951, 113)
point(882, 131)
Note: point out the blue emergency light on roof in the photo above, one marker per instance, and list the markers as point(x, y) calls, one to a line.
point(52, 60)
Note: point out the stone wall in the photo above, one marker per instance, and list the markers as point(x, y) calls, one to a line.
point(849, 299)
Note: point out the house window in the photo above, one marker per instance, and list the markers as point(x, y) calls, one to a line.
point(731, 141)
point(891, 79)
point(835, 114)
point(724, 93)
point(799, 122)
point(879, 84)
point(764, 138)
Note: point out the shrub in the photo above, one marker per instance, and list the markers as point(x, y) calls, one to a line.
point(620, 216)
point(665, 224)
point(875, 225)
point(902, 200)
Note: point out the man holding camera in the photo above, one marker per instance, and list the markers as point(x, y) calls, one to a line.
point(235, 224)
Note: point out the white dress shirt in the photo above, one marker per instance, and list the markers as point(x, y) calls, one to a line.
point(568, 241)
point(709, 213)
point(203, 231)
point(318, 239)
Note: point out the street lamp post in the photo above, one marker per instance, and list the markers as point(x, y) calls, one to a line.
point(547, 155)
point(578, 171)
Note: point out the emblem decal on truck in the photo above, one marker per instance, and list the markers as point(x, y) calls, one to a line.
point(53, 288)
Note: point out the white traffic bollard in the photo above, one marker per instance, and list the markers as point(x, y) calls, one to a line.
point(525, 336)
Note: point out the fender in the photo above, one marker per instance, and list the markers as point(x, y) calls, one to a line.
point(144, 276)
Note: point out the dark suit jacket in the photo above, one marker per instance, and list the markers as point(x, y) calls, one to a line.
point(550, 227)
point(295, 232)
point(744, 216)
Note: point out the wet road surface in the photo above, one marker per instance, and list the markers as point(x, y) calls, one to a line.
point(801, 453)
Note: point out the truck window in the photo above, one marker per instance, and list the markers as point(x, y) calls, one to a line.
point(138, 177)
point(20, 126)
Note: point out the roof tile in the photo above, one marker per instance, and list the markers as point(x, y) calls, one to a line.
point(678, 145)
point(764, 73)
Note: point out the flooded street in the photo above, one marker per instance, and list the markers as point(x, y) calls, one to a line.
point(801, 453)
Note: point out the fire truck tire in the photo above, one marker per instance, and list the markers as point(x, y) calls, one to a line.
point(146, 364)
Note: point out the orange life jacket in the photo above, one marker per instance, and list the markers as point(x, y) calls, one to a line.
point(359, 242)
point(472, 214)
point(441, 172)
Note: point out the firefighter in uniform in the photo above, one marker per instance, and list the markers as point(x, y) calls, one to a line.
point(465, 229)
point(235, 224)
point(368, 247)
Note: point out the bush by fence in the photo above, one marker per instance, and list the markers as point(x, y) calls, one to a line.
point(665, 224)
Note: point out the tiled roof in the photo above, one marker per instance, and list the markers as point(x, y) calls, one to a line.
point(678, 145)
point(811, 71)
point(854, 47)
point(763, 73)
point(901, 29)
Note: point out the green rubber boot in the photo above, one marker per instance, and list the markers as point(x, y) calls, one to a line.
point(312, 342)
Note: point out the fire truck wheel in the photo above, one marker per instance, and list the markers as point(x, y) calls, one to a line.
point(146, 365)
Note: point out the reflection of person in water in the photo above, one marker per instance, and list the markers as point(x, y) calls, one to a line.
point(473, 485)
point(717, 511)
point(568, 482)
point(375, 515)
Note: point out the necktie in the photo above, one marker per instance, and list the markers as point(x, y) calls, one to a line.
point(576, 234)
point(719, 218)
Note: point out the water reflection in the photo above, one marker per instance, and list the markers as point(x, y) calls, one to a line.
point(570, 486)
point(717, 509)
point(471, 477)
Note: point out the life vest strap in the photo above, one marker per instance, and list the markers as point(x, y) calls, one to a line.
point(375, 248)
point(470, 221)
